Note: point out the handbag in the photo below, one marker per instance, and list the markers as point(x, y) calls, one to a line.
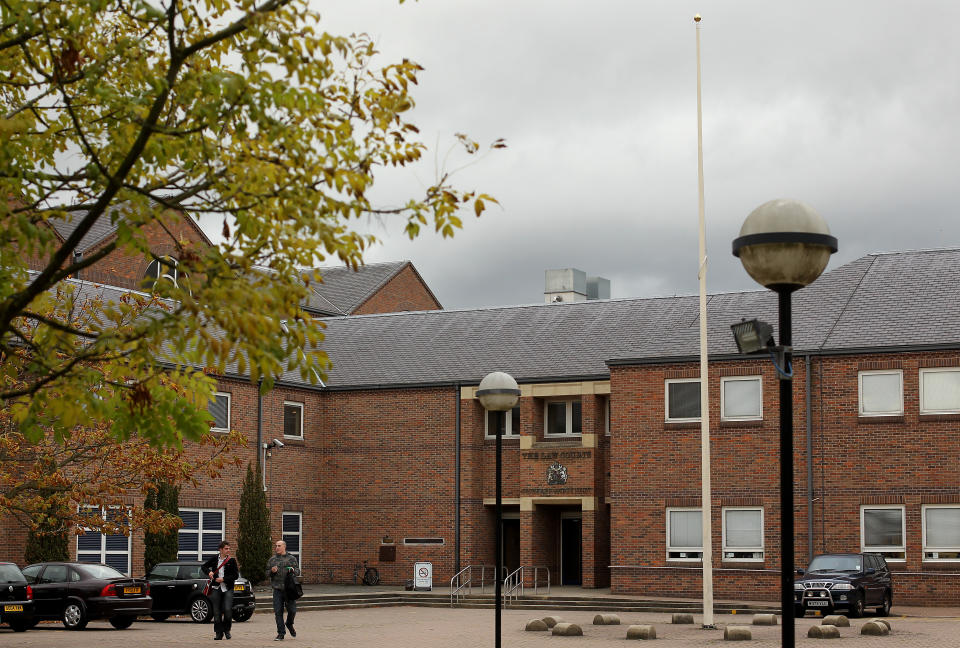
point(209, 586)
point(291, 586)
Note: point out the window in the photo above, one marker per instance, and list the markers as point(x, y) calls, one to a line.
point(509, 424)
point(292, 533)
point(941, 532)
point(881, 393)
point(683, 399)
point(164, 572)
point(741, 398)
point(562, 417)
point(293, 419)
point(219, 409)
point(422, 541)
point(109, 548)
point(743, 534)
point(200, 534)
point(684, 534)
point(882, 531)
point(163, 268)
point(940, 391)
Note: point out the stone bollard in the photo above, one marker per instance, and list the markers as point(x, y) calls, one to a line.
point(764, 619)
point(838, 620)
point(681, 618)
point(536, 625)
point(883, 621)
point(567, 630)
point(874, 628)
point(823, 632)
point(606, 619)
point(737, 633)
point(552, 620)
point(641, 632)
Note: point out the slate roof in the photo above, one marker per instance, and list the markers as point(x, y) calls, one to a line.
point(105, 226)
point(343, 289)
point(880, 301)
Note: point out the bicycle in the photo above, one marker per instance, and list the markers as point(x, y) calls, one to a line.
point(370, 574)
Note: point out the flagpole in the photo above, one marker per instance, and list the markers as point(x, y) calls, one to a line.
point(705, 498)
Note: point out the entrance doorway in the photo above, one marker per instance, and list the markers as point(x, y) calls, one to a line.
point(571, 551)
point(511, 545)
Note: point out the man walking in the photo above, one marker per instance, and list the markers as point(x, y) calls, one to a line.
point(223, 572)
point(277, 568)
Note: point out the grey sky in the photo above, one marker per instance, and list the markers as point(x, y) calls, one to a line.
point(851, 107)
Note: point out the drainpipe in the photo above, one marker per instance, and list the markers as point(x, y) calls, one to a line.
point(260, 433)
point(456, 495)
point(810, 499)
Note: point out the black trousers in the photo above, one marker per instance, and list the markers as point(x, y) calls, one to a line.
point(280, 601)
point(222, 603)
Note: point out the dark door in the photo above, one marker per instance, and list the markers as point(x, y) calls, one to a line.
point(190, 583)
point(163, 580)
point(511, 545)
point(570, 551)
point(50, 591)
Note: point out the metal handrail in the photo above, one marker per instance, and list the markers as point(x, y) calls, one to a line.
point(515, 583)
point(464, 578)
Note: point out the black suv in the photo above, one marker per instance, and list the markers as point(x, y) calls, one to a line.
point(177, 588)
point(16, 598)
point(848, 581)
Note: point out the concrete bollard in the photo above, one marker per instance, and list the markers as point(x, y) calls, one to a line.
point(567, 630)
point(606, 619)
point(681, 618)
point(536, 625)
point(838, 620)
point(641, 632)
point(737, 633)
point(552, 620)
point(765, 619)
point(875, 629)
point(883, 621)
point(823, 632)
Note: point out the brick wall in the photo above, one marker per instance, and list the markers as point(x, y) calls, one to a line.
point(406, 291)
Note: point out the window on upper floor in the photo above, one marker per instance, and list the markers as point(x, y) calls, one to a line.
point(684, 534)
point(881, 393)
point(509, 424)
point(940, 391)
point(882, 530)
point(741, 398)
point(562, 417)
point(941, 532)
point(200, 534)
point(219, 409)
point(682, 398)
point(743, 533)
point(293, 419)
point(165, 268)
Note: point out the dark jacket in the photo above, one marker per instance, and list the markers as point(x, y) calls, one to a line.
point(230, 571)
point(286, 562)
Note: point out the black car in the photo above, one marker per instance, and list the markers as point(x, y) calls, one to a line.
point(848, 581)
point(77, 593)
point(16, 598)
point(177, 588)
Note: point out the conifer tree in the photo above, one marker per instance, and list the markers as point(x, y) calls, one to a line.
point(253, 535)
point(47, 544)
point(161, 547)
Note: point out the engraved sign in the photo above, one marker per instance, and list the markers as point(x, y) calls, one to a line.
point(556, 474)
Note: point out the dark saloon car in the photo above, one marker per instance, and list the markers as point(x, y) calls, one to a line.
point(16, 598)
point(77, 593)
point(849, 582)
point(177, 588)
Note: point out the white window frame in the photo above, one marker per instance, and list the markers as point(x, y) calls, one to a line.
point(299, 534)
point(102, 553)
point(758, 549)
point(723, 396)
point(509, 432)
point(165, 263)
point(214, 428)
point(670, 549)
point(568, 426)
point(199, 532)
point(930, 371)
point(934, 550)
point(666, 400)
point(888, 372)
point(292, 404)
point(885, 549)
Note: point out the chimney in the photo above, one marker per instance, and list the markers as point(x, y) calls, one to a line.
point(572, 285)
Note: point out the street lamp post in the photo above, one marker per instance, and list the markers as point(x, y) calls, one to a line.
point(785, 245)
point(498, 392)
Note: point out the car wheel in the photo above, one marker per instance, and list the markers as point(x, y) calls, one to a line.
point(19, 626)
point(160, 617)
point(856, 607)
point(74, 616)
point(242, 615)
point(884, 610)
point(200, 610)
point(121, 622)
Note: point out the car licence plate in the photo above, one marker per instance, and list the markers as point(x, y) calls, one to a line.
point(131, 590)
point(13, 608)
point(238, 588)
point(818, 603)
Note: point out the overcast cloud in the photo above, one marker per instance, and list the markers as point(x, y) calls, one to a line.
point(851, 107)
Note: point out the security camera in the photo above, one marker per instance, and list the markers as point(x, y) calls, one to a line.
point(278, 443)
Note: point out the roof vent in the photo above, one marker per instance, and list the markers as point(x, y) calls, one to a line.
point(572, 285)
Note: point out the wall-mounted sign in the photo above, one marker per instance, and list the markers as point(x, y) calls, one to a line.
point(556, 474)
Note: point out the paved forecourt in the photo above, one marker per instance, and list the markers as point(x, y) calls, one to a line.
point(413, 627)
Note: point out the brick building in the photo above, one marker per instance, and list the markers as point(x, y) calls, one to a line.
point(392, 461)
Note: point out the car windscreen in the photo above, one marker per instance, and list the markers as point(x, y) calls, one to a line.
point(835, 563)
point(100, 571)
point(10, 574)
